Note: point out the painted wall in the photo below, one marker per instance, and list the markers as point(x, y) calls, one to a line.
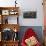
point(32, 5)
point(27, 5)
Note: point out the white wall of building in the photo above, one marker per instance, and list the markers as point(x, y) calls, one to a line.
point(27, 5)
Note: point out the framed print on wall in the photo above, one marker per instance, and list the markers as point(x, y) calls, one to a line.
point(5, 12)
point(29, 14)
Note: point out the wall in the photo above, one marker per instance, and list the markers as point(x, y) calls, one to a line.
point(31, 5)
point(27, 5)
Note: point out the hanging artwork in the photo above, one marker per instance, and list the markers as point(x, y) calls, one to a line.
point(29, 14)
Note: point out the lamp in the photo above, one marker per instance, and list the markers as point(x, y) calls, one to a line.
point(15, 3)
point(15, 30)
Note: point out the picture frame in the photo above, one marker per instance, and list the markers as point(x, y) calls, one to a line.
point(5, 12)
point(29, 14)
point(13, 12)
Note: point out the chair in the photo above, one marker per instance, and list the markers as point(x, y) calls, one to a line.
point(29, 33)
